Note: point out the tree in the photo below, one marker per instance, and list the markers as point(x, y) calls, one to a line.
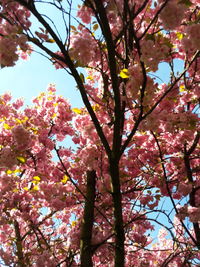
point(135, 162)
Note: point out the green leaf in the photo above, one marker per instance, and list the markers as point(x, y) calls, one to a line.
point(82, 77)
point(77, 160)
point(168, 43)
point(188, 3)
point(150, 37)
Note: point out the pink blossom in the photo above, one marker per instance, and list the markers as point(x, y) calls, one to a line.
point(83, 47)
point(84, 13)
point(173, 14)
point(8, 158)
point(152, 57)
point(22, 137)
point(148, 168)
point(58, 204)
point(18, 103)
point(194, 213)
point(7, 97)
point(193, 32)
point(184, 189)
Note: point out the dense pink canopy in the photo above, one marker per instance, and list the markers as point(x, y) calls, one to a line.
point(127, 193)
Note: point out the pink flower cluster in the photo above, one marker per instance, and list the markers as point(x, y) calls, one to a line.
point(8, 52)
point(84, 13)
point(8, 158)
point(83, 47)
point(188, 211)
point(11, 37)
point(194, 213)
point(154, 52)
point(38, 168)
point(173, 14)
point(193, 36)
point(184, 188)
point(22, 137)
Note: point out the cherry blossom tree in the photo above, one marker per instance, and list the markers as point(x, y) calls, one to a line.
point(134, 164)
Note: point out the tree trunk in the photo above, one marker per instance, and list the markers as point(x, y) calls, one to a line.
point(19, 249)
point(87, 222)
point(117, 206)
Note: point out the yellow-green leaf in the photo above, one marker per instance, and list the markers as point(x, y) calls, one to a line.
point(35, 131)
point(89, 78)
point(35, 188)
point(26, 188)
point(36, 178)
point(182, 88)
point(95, 107)
point(6, 126)
point(21, 159)
point(65, 179)
point(124, 74)
point(77, 160)
point(9, 172)
point(14, 171)
point(179, 35)
point(54, 115)
point(77, 110)
point(15, 190)
point(73, 223)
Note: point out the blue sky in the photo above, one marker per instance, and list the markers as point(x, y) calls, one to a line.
point(28, 78)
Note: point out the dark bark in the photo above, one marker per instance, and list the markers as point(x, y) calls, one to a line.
point(19, 247)
point(115, 155)
point(87, 222)
point(117, 209)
